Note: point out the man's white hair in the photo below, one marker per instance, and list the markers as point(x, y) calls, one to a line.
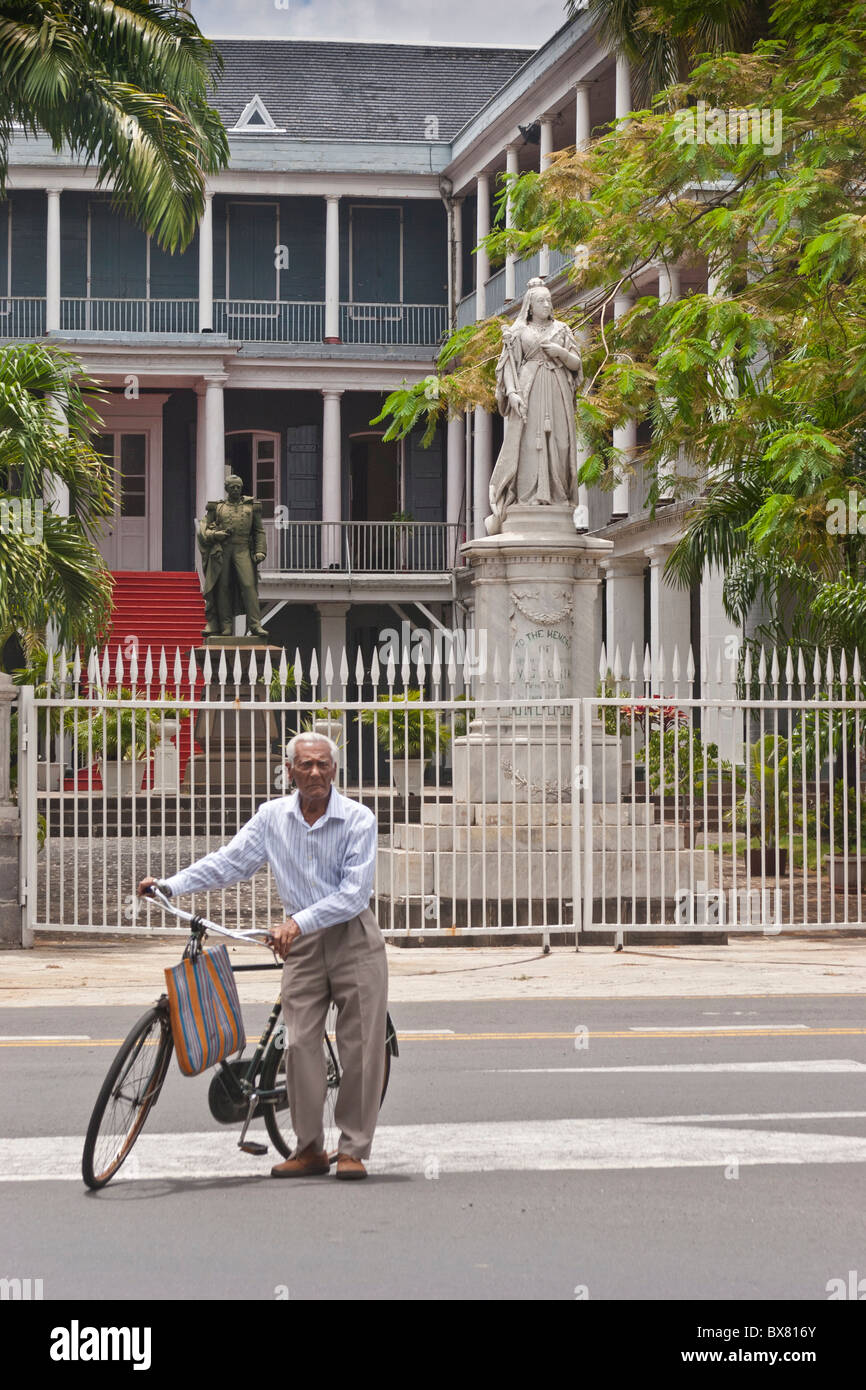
point(312, 737)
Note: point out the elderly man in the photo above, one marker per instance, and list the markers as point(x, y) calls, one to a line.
point(321, 847)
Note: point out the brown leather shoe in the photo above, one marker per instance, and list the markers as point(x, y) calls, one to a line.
point(309, 1163)
point(348, 1167)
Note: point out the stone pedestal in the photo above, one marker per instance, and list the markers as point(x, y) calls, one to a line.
point(10, 829)
point(537, 602)
point(238, 744)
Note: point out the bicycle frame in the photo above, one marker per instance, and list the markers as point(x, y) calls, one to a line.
point(239, 1078)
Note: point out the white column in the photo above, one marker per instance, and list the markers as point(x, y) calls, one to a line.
point(545, 151)
point(332, 639)
point(458, 250)
point(201, 496)
point(456, 479)
point(332, 269)
point(720, 640)
point(670, 618)
point(205, 267)
point(449, 242)
point(482, 261)
point(511, 167)
point(52, 262)
point(56, 492)
point(625, 436)
point(214, 448)
point(624, 610)
point(332, 489)
point(623, 88)
point(669, 283)
point(482, 467)
point(669, 292)
point(582, 126)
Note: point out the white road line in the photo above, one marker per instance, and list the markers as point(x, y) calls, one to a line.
point(502, 1146)
point(713, 1027)
point(45, 1037)
point(812, 1067)
point(418, 1032)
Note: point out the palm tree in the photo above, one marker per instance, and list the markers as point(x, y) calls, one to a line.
point(121, 86)
point(663, 38)
point(50, 569)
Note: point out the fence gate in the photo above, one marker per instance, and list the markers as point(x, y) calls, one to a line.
point(637, 811)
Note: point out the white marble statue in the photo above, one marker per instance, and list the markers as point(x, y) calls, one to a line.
point(538, 372)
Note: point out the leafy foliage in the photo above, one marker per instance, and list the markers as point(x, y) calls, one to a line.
point(123, 87)
point(56, 574)
point(756, 389)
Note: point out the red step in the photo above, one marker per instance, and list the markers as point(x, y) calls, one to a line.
point(160, 609)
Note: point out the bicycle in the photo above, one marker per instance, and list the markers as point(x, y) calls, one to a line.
point(240, 1091)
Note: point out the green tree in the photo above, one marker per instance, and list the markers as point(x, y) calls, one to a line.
point(761, 385)
point(663, 39)
point(123, 87)
point(50, 568)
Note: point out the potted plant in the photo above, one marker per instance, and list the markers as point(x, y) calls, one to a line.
point(767, 788)
point(122, 738)
point(411, 737)
point(330, 722)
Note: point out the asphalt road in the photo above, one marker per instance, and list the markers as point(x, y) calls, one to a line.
point(635, 1149)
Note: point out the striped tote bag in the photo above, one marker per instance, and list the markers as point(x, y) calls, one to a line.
point(204, 1010)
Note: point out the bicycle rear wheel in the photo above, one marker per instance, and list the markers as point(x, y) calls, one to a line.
point(128, 1093)
point(273, 1078)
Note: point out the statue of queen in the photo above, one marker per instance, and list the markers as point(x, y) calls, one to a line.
point(538, 372)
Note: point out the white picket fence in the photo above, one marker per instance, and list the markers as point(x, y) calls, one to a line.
point(666, 803)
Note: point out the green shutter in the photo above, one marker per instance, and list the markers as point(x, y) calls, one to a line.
point(375, 255)
point(118, 255)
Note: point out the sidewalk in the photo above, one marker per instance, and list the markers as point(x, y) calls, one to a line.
point(64, 973)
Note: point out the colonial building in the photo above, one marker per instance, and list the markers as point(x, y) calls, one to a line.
point(334, 253)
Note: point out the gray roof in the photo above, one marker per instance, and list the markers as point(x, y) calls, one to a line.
point(362, 91)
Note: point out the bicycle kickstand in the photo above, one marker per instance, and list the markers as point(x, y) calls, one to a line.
point(251, 1146)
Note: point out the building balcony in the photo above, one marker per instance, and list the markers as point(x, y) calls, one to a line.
point(365, 547)
point(254, 321)
point(495, 287)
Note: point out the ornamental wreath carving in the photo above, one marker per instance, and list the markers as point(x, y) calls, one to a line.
point(527, 602)
point(551, 790)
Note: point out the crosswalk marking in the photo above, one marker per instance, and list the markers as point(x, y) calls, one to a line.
point(665, 1141)
point(812, 1067)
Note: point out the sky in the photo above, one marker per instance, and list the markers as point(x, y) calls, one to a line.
point(500, 22)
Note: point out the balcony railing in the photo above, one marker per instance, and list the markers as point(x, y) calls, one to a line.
point(495, 286)
point(393, 323)
point(368, 547)
point(22, 318)
point(270, 321)
point(129, 315)
point(247, 320)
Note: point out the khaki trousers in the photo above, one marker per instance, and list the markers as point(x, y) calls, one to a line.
point(345, 963)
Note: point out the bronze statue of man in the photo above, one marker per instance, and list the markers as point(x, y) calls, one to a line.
point(232, 542)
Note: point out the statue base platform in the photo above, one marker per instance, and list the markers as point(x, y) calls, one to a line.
point(240, 747)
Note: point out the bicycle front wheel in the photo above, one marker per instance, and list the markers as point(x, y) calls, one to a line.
point(273, 1078)
point(128, 1094)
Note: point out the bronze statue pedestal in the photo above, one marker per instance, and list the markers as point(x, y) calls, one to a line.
point(241, 749)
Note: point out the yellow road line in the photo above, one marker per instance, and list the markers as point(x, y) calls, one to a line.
point(409, 1036)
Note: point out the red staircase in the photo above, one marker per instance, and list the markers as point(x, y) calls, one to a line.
point(156, 609)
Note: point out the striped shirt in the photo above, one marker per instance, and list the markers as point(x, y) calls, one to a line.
point(324, 872)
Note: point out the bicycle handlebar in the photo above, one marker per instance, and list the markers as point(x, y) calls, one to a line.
point(201, 924)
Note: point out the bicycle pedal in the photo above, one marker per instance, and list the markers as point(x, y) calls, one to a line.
point(249, 1146)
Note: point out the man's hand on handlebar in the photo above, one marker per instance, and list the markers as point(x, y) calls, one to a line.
point(148, 884)
point(281, 938)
